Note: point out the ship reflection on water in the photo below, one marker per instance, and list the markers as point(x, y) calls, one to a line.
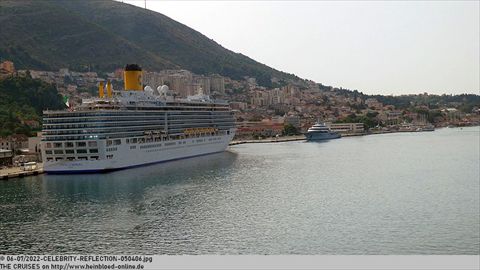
point(134, 182)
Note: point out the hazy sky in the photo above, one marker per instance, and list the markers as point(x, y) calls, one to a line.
point(375, 47)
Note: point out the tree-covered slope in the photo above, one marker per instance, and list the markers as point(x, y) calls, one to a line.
point(24, 98)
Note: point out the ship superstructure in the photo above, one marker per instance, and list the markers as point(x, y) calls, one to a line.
point(133, 127)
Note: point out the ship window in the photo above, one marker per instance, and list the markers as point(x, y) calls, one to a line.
point(69, 151)
point(133, 147)
point(109, 156)
point(69, 144)
point(134, 140)
point(81, 144)
point(48, 152)
point(58, 158)
point(81, 151)
point(57, 145)
point(58, 152)
point(92, 144)
point(49, 145)
point(49, 159)
point(93, 150)
point(94, 157)
point(109, 142)
point(82, 158)
point(117, 142)
point(70, 158)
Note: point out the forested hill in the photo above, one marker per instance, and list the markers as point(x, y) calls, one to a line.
point(105, 35)
point(23, 99)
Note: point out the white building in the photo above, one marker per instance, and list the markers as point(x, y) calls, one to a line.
point(346, 128)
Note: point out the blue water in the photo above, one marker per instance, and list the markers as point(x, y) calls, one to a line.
point(402, 193)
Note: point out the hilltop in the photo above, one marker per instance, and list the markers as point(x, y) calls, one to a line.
point(104, 35)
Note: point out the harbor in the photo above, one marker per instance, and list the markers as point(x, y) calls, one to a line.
point(356, 196)
point(7, 173)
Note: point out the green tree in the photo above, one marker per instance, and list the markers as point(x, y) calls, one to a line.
point(289, 130)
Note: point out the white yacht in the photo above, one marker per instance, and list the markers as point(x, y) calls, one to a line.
point(320, 132)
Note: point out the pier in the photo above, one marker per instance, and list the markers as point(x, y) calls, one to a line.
point(270, 140)
point(6, 174)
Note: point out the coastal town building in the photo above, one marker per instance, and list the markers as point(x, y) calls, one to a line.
point(293, 120)
point(14, 142)
point(34, 146)
point(265, 128)
point(6, 157)
point(347, 128)
point(7, 67)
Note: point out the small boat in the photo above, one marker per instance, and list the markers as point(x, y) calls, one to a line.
point(321, 132)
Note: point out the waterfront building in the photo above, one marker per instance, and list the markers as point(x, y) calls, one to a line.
point(6, 157)
point(34, 145)
point(346, 128)
point(265, 128)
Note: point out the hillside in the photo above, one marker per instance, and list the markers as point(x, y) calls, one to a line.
point(104, 35)
point(24, 98)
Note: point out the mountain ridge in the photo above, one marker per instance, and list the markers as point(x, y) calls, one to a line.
point(104, 35)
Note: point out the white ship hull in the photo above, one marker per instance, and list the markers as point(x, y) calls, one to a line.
point(142, 154)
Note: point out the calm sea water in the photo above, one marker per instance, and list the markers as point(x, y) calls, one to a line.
point(408, 193)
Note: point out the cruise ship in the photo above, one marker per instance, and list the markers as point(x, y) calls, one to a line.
point(133, 127)
point(320, 132)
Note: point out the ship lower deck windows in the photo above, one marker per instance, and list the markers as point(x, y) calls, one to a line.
point(49, 145)
point(58, 158)
point(117, 142)
point(58, 152)
point(81, 151)
point(82, 158)
point(57, 145)
point(93, 150)
point(92, 144)
point(70, 158)
point(49, 159)
point(133, 147)
point(69, 151)
point(94, 157)
point(48, 152)
point(81, 144)
point(69, 144)
point(109, 156)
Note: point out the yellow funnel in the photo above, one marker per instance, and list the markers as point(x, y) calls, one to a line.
point(132, 77)
point(109, 89)
point(100, 89)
